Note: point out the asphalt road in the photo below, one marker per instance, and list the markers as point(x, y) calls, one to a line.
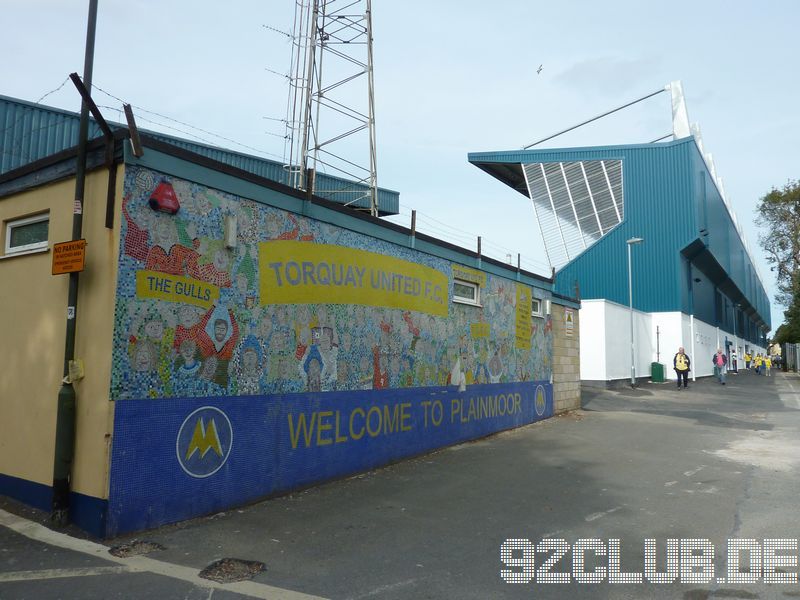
point(711, 463)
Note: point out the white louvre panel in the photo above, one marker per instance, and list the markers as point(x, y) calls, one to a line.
point(576, 203)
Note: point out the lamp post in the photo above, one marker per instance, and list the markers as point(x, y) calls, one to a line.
point(735, 341)
point(630, 243)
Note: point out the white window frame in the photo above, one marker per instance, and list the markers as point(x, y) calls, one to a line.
point(14, 223)
point(539, 310)
point(463, 299)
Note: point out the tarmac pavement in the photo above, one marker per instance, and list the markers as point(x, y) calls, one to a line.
point(708, 463)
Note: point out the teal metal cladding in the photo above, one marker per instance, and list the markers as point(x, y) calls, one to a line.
point(670, 201)
point(29, 132)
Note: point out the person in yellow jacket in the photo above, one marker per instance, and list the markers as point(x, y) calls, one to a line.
point(747, 359)
point(682, 366)
point(767, 364)
point(757, 363)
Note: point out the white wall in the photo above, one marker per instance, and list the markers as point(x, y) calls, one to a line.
point(605, 342)
point(592, 317)
point(707, 339)
point(606, 356)
point(669, 330)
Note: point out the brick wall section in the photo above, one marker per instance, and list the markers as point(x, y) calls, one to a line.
point(566, 361)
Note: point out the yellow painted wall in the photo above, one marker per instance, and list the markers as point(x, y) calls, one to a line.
point(32, 334)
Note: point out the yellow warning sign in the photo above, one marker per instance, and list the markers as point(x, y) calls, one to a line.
point(569, 321)
point(69, 257)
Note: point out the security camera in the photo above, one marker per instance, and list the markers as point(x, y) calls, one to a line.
point(164, 199)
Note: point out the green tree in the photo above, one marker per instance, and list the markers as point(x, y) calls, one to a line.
point(778, 213)
point(789, 332)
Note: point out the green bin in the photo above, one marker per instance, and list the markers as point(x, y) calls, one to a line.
point(657, 372)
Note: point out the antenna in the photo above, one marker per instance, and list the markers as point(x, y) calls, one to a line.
point(331, 110)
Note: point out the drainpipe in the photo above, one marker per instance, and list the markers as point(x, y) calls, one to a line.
point(65, 415)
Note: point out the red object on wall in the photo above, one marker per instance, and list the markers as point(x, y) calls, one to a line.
point(164, 198)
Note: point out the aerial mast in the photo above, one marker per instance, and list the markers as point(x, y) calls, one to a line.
point(331, 109)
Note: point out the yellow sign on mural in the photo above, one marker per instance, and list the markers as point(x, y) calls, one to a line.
point(524, 324)
point(175, 288)
point(466, 274)
point(306, 273)
point(479, 331)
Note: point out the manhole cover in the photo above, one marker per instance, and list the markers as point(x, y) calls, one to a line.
point(230, 570)
point(135, 548)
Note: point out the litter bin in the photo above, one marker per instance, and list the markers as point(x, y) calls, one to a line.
point(657, 372)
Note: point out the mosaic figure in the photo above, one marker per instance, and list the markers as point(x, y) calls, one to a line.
point(231, 340)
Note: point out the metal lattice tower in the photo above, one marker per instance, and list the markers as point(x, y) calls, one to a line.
point(331, 110)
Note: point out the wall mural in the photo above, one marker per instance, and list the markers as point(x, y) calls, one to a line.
point(299, 306)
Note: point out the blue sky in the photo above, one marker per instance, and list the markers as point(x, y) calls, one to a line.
point(450, 78)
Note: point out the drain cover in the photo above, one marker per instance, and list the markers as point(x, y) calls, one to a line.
point(230, 570)
point(135, 548)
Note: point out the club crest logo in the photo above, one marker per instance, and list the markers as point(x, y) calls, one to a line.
point(541, 400)
point(204, 442)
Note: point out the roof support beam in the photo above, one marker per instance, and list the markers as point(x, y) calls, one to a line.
point(591, 199)
point(555, 214)
point(572, 204)
point(536, 212)
point(610, 190)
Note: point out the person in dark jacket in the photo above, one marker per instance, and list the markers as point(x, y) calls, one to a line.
point(720, 362)
point(682, 366)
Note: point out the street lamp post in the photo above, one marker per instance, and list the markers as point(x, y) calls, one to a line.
point(630, 243)
point(735, 341)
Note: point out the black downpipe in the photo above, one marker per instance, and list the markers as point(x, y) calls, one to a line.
point(65, 415)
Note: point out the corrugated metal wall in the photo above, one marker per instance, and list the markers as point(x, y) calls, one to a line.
point(30, 131)
point(669, 198)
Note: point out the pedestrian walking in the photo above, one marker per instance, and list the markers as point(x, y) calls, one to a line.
point(747, 359)
point(682, 366)
point(720, 362)
point(767, 364)
point(757, 363)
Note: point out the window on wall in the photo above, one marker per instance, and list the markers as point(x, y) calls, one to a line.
point(537, 308)
point(466, 292)
point(25, 235)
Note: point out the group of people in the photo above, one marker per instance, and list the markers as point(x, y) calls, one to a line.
point(761, 363)
point(682, 365)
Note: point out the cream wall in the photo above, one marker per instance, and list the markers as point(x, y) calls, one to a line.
point(566, 361)
point(33, 322)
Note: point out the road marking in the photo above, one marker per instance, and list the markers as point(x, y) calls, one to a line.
point(551, 533)
point(143, 564)
point(694, 471)
point(386, 588)
point(598, 515)
point(60, 573)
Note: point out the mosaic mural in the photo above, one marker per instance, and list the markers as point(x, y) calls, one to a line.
point(298, 306)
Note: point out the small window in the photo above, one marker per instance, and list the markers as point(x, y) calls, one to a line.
point(466, 292)
point(24, 235)
point(536, 308)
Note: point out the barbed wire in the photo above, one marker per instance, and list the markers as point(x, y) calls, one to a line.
point(141, 109)
point(276, 30)
point(63, 83)
point(467, 239)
